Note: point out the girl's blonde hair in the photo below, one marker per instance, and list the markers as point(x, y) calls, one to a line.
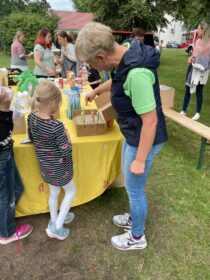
point(45, 92)
point(17, 35)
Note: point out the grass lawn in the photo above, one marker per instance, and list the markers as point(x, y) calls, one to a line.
point(5, 61)
point(177, 227)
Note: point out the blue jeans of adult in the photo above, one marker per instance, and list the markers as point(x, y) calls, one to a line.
point(199, 95)
point(135, 185)
point(11, 189)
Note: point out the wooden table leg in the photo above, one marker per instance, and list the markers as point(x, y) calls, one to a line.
point(201, 154)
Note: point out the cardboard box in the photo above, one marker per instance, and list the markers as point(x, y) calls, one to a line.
point(167, 96)
point(90, 127)
point(19, 125)
point(104, 106)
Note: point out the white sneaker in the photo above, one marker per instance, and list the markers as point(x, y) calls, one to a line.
point(126, 241)
point(196, 117)
point(123, 221)
point(183, 113)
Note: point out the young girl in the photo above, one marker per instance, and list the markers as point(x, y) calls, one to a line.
point(11, 186)
point(54, 152)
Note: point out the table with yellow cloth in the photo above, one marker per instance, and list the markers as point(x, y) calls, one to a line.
point(97, 163)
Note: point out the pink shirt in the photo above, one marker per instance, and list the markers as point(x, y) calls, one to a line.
point(17, 49)
point(200, 50)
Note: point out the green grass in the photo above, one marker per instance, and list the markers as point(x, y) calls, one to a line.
point(178, 223)
point(5, 61)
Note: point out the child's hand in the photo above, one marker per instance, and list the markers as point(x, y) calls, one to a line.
point(5, 101)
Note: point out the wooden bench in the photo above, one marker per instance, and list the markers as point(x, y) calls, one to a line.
point(200, 129)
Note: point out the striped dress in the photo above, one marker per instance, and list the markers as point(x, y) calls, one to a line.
point(53, 149)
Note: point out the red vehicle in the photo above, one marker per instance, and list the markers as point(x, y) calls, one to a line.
point(121, 36)
point(190, 39)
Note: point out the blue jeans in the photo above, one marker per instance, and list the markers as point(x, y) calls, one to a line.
point(135, 185)
point(11, 189)
point(199, 95)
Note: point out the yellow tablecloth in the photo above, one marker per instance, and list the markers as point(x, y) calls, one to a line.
point(97, 162)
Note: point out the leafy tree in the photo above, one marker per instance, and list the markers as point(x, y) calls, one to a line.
point(192, 12)
point(38, 6)
point(82, 6)
point(148, 14)
point(123, 14)
point(29, 23)
point(8, 6)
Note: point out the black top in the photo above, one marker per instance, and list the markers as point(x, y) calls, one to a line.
point(6, 127)
point(53, 149)
point(93, 76)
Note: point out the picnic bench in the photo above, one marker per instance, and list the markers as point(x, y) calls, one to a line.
point(200, 129)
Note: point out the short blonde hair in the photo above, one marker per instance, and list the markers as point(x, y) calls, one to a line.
point(17, 35)
point(93, 38)
point(45, 92)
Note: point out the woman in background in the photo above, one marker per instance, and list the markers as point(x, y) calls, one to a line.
point(202, 48)
point(18, 52)
point(68, 58)
point(43, 55)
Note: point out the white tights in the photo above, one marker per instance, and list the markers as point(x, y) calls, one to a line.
point(58, 218)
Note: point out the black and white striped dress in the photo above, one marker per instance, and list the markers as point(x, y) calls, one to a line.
point(53, 149)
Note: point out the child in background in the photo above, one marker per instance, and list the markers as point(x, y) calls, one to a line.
point(54, 153)
point(94, 78)
point(11, 186)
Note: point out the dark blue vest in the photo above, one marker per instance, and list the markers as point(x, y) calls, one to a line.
point(137, 56)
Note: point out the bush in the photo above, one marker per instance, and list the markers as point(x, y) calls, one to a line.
point(29, 23)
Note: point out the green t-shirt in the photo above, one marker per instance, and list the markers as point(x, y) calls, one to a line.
point(47, 60)
point(139, 87)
